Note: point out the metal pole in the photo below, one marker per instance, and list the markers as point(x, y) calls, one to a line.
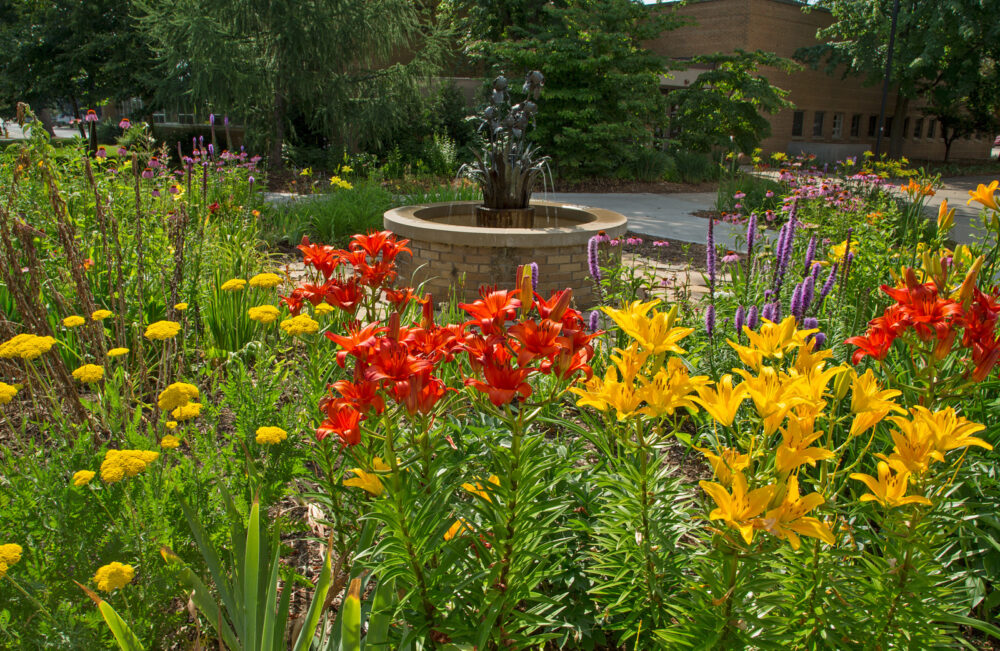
point(885, 83)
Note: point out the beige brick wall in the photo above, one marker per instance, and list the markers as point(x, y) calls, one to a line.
point(782, 27)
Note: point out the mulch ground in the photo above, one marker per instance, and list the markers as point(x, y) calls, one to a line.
point(678, 253)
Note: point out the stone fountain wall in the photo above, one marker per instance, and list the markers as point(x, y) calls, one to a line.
point(450, 257)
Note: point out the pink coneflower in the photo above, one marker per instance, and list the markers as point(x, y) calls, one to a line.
point(156, 193)
point(739, 195)
point(731, 256)
point(101, 152)
point(738, 206)
point(91, 116)
point(661, 243)
point(615, 242)
point(173, 189)
point(154, 162)
point(125, 124)
point(633, 241)
point(769, 194)
point(147, 173)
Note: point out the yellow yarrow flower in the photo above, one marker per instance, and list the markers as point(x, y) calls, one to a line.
point(169, 442)
point(180, 307)
point(162, 330)
point(323, 309)
point(119, 464)
point(114, 576)
point(171, 424)
point(187, 412)
point(89, 373)
point(302, 324)
point(233, 285)
point(83, 477)
point(73, 321)
point(270, 435)
point(176, 395)
point(264, 313)
point(265, 280)
point(117, 352)
point(10, 554)
point(7, 393)
point(26, 346)
point(100, 315)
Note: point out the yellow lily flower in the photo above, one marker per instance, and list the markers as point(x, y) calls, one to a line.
point(369, 481)
point(870, 404)
point(772, 395)
point(789, 521)
point(608, 393)
point(479, 488)
point(949, 430)
point(739, 508)
point(655, 334)
point(457, 528)
point(725, 464)
point(914, 447)
point(794, 449)
point(669, 390)
point(984, 195)
point(889, 489)
point(629, 361)
point(723, 401)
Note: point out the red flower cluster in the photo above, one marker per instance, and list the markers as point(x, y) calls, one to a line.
point(504, 357)
point(920, 308)
point(372, 259)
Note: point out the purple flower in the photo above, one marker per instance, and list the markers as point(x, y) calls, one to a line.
point(147, 173)
point(225, 120)
point(710, 319)
point(815, 271)
point(211, 150)
point(710, 255)
point(752, 317)
point(211, 119)
point(808, 290)
point(634, 241)
point(594, 322)
point(730, 257)
point(810, 253)
point(810, 322)
point(125, 124)
point(534, 276)
point(739, 195)
point(101, 152)
point(91, 116)
point(751, 232)
point(122, 151)
point(661, 243)
point(767, 312)
point(156, 192)
point(592, 258)
point(795, 304)
point(768, 194)
point(740, 319)
point(828, 285)
point(251, 181)
point(819, 338)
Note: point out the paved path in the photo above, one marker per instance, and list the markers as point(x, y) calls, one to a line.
point(956, 191)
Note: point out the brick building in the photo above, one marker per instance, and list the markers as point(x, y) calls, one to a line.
point(833, 117)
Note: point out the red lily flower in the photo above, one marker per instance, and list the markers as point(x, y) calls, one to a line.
point(503, 382)
point(358, 341)
point(342, 420)
point(399, 297)
point(493, 309)
point(391, 361)
point(321, 257)
point(362, 395)
point(567, 362)
point(293, 301)
point(535, 339)
point(423, 391)
point(384, 243)
point(875, 342)
point(345, 295)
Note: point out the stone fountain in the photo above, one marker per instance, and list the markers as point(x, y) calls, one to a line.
point(458, 247)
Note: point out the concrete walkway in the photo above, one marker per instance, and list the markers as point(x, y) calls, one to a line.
point(661, 216)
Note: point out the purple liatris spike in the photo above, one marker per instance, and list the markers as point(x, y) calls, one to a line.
point(534, 276)
point(592, 258)
point(225, 120)
point(767, 312)
point(830, 280)
point(740, 319)
point(752, 317)
point(819, 338)
point(710, 319)
point(776, 311)
point(211, 119)
point(810, 254)
point(594, 322)
point(796, 303)
point(710, 255)
point(751, 232)
point(211, 150)
point(816, 267)
point(810, 322)
point(808, 291)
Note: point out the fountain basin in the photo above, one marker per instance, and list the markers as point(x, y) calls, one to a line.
point(453, 256)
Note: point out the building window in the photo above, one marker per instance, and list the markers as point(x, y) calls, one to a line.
point(931, 127)
point(906, 126)
point(888, 128)
point(872, 125)
point(818, 124)
point(856, 125)
point(918, 129)
point(798, 117)
point(838, 125)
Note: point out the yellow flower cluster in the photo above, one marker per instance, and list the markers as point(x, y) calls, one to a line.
point(119, 464)
point(263, 313)
point(10, 554)
point(640, 382)
point(180, 307)
point(338, 182)
point(186, 411)
point(265, 280)
point(83, 477)
point(100, 315)
point(114, 576)
point(176, 395)
point(169, 442)
point(302, 324)
point(74, 321)
point(162, 330)
point(270, 435)
point(323, 309)
point(26, 346)
point(7, 393)
point(369, 481)
point(117, 352)
point(89, 373)
point(233, 285)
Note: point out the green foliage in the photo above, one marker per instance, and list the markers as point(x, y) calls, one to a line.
point(725, 105)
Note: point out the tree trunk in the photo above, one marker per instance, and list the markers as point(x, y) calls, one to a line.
point(45, 117)
point(898, 124)
point(274, 164)
point(948, 142)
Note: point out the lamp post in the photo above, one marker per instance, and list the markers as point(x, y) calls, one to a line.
point(885, 83)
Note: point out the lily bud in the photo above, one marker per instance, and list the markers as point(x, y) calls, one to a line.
point(843, 383)
point(427, 312)
point(964, 293)
point(526, 293)
point(559, 309)
point(946, 218)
